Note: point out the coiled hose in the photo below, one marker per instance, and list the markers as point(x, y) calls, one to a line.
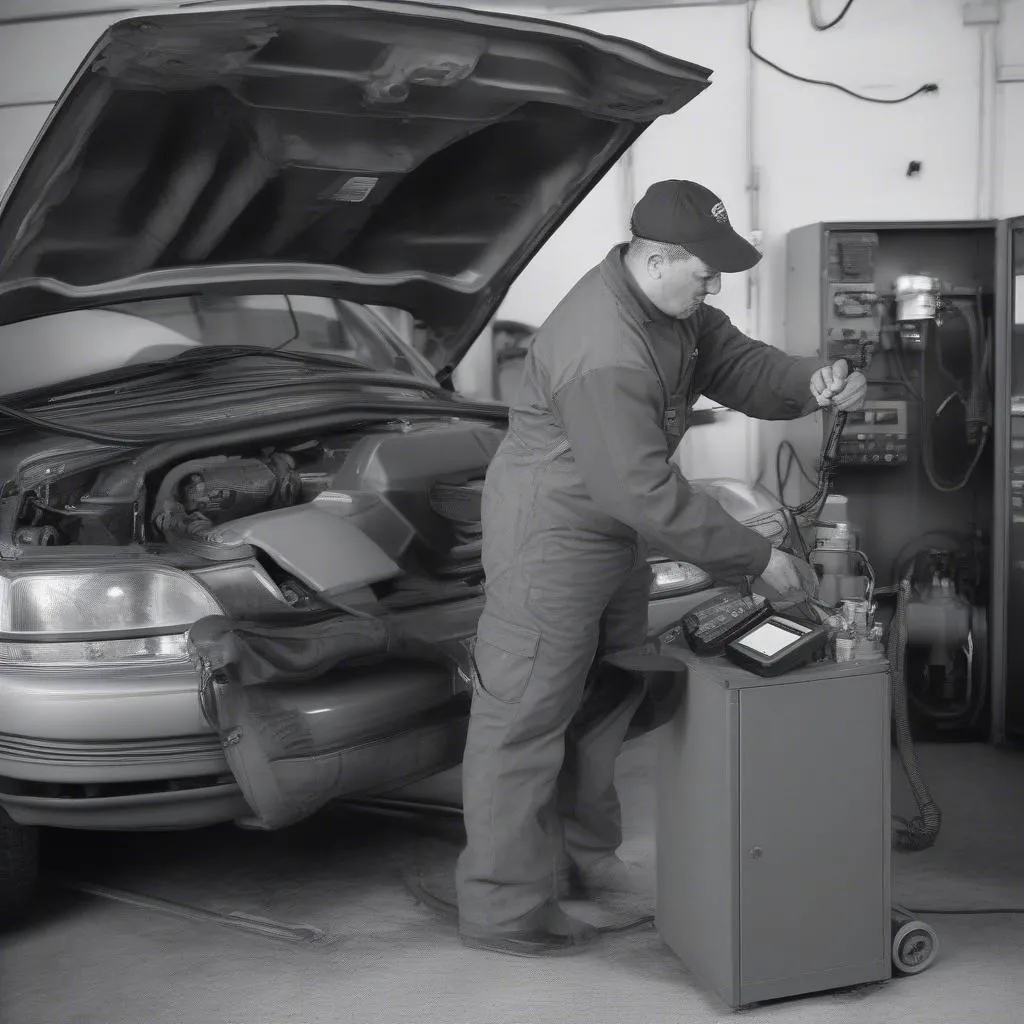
point(921, 832)
point(976, 403)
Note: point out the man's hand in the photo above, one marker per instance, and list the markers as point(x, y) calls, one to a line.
point(780, 572)
point(835, 385)
point(786, 580)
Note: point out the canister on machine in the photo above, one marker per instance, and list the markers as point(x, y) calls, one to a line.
point(845, 645)
point(856, 614)
point(835, 532)
point(835, 555)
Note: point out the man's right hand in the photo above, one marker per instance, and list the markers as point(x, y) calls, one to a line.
point(781, 573)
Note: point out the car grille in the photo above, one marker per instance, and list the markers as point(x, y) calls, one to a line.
point(120, 753)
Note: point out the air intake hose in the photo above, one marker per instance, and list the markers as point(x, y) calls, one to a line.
point(921, 832)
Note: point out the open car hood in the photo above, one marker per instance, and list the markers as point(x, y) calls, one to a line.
point(396, 154)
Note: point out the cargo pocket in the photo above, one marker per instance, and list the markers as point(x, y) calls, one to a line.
point(505, 657)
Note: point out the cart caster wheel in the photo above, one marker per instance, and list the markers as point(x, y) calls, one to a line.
point(914, 944)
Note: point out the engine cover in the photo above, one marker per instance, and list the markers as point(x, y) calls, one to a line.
point(318, 547)
point(234, 487)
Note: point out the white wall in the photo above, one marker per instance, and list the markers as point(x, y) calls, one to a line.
point(1009, 158)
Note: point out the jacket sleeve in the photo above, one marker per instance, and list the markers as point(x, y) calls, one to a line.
point(750, 376)
point(610, 418)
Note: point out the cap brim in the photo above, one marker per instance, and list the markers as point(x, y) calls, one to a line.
point(728, 253)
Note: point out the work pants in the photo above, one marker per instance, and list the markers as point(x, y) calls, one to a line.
point(538, 771)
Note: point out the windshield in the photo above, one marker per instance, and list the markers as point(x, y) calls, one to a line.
point(56, 349)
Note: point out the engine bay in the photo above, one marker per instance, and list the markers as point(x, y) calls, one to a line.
point(412, 488)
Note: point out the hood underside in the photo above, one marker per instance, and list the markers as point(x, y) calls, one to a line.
point(390, 153)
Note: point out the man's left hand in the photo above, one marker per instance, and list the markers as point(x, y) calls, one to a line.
point(835, 385)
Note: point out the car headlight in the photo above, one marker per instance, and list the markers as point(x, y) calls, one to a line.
point(674, 578)
point(106, 601)
point(77, 615)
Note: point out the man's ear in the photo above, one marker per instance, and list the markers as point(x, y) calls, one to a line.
point(654, 265)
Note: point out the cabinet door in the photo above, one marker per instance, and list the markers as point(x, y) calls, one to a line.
point(1013, 328)
point(814, 809)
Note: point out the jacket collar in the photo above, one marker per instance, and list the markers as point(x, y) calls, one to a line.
point(627, 291)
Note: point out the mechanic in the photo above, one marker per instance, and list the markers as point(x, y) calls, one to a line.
point(581, 485)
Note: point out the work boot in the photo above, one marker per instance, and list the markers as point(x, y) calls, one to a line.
point(609, 877)
point(548, 932)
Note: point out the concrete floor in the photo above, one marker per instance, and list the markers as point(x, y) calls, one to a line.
point(386, 957)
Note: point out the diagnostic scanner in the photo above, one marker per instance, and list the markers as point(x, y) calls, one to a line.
point(777, 645)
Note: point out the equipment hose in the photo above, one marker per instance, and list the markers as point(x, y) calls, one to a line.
point(921, 832)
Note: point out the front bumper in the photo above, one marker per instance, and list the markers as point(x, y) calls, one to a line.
point(158, 810)
point(128, 747)
point(118, 724)
point(129, 750)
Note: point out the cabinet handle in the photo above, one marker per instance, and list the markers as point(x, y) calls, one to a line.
point(756, 852)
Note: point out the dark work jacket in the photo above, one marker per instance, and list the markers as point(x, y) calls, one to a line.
point(608, 385)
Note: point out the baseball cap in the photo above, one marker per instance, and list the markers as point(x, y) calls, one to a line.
point(687, 214)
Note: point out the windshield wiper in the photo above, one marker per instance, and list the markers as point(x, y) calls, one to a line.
point(207, 354)
point(186, 362)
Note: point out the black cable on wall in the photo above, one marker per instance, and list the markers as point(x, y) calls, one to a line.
point(928, 87)
point(825, 26)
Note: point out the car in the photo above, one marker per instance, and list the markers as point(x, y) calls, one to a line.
point(206, 411)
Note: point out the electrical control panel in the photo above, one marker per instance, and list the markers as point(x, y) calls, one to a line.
point(935, 457)
point(875, 435)
point(851, 316)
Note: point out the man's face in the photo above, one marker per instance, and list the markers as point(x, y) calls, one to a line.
point(682, 285)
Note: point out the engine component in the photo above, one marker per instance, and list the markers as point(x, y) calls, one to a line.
point(37, 536)
point(373, 515)
point(318, 547)
point(233, 488)
point(225, 487)
point(459, 503)
point(459, 506)
point(411, 489)
point(197, 496)
point(405, 467)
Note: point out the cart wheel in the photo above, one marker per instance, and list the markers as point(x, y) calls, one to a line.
point(914, 947)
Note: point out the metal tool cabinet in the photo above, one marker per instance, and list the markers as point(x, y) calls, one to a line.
point(774, 829)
